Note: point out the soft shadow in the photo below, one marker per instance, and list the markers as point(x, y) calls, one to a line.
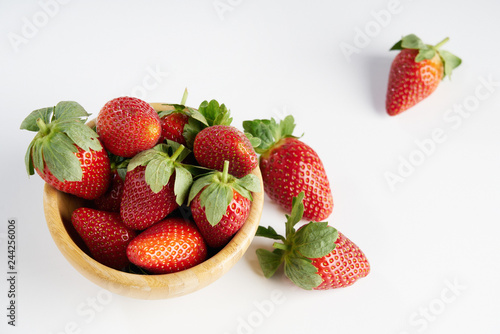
point(378, 68)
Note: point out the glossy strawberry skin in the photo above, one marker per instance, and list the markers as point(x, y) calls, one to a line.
point(172, 127)
point(219, 235)
point(140, 206)
point(343, 266)
point(410, 82)
point(95, 180)
point(290, 167)
point(105, 236)
point(168, 246)
point(127, 126)
point(215, 144)
point(111, 199)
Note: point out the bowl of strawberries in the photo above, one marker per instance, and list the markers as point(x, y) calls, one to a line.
point(149, 201)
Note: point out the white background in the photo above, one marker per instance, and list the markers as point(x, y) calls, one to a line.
point(431, 238)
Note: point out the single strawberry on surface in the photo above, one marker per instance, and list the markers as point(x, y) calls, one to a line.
point(156, 184)
point(105, 235)
point(416, 72)
point(127, 126)
point(289, 166)
point(220, 204)
point(65, 152)
point(168, 246)
point(316, 256)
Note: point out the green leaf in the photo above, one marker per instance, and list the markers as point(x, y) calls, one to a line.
point(29, 123)
point(65, 110)
point(199, 184)
point(411, 41)
point(58, 154)
point(28, 160)
point(183, 182)
point(450, 62)
point(268, 232)
point(426, 52)
point(302, 272)
point(214, 113)
point(83, 136)
point(37, 155)
point(296, 214)
point(142, 159)
point(215, 199)
point(269, 261)
point(158, 173)
point(269, 131)
point(315, 240)
point(195, 114)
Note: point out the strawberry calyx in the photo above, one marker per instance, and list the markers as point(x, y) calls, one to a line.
point(297, 248)
point(208, 114)
point(60, 131)
point(217, 191)
point(161, 162)
point(427, 51)
point(266, 134)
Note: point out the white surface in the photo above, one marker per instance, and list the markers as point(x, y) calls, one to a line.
point(437, 229)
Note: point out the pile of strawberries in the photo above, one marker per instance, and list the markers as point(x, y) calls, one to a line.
point(169, 185)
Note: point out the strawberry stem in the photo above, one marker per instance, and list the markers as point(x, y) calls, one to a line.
point(440, 44)
point(44, 129)
point(281, 246)
point(225, 171)
point(177, 152)
point(184, 97)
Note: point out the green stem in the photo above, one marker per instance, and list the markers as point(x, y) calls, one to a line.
point(281, 246)
point(225, 171)
point(440, 44)
point(177, 152)
point(44, 129)
point(184, 97)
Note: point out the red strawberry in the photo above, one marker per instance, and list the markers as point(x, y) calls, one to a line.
point(65, 152)
point(127, 126)
point(105, 236)
point(316, 256)
point(155, 185)
point(172, 127)
point(220, 204)
point(168, 246)
point(343, 266)
point(218, 143)
point(111, 199)
point(289, 166)
point(140, 206)
point(416, 72)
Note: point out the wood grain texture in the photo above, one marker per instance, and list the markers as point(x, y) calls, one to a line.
point(58, 207)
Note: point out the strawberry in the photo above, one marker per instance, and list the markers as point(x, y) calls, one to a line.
point(220, 204)
point(218, 143)
point(416, 72)
point(105, 236)
point(172, 127)
point(155, 185)
point(168, 246)
point(316, 256)
point(111, 199)
point(289, 166)
point(127, 126)
point(65, 152)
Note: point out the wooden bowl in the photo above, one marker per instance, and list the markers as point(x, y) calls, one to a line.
point(58, 207)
